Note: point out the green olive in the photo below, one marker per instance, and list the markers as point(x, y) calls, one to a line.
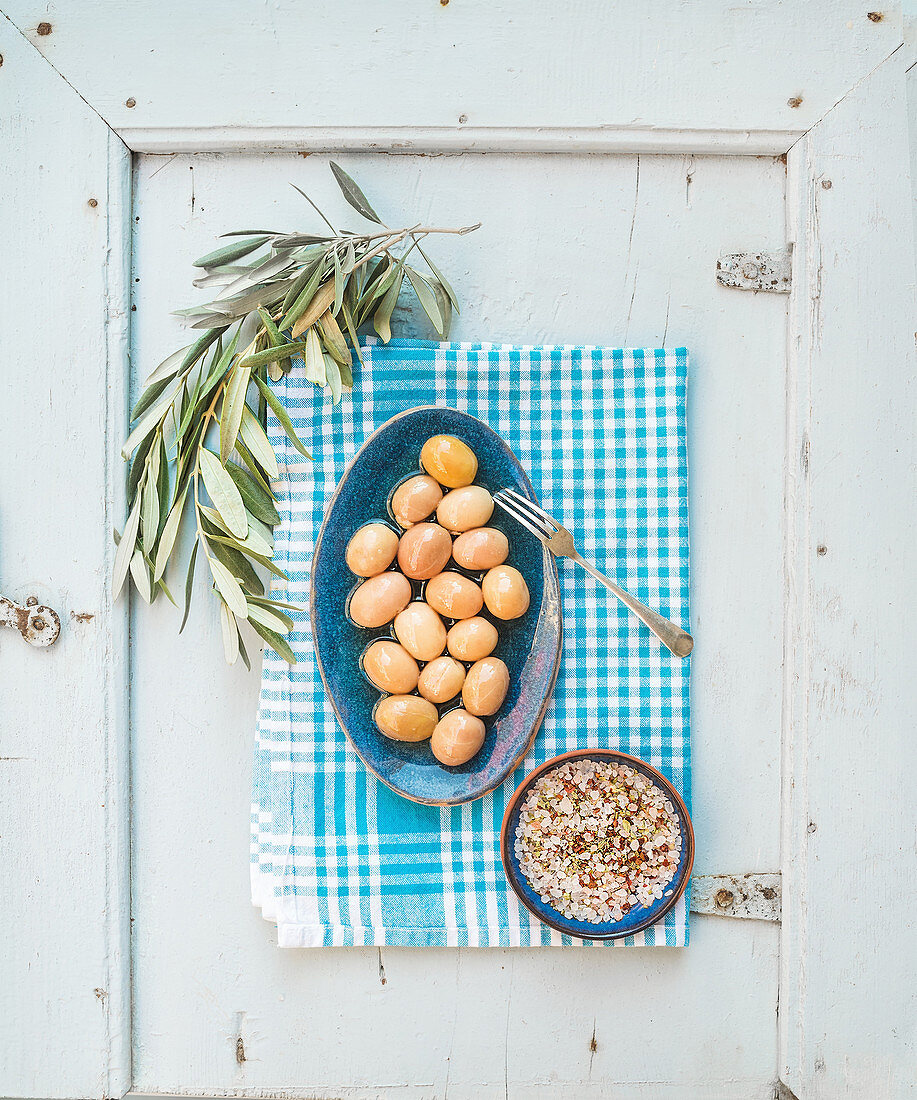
point(378, 600)
point(453, 596)
point(472, 639)
point(463, 509)
point(457, 737)
point(420, 630)
point(441, 680)
point(485, 686)
point(415, 499)
point(405, 717)
point(390, 667)
point(505, 592)
point(482, 548)
point(423, 551)
point(449, 460)
point(371, 550)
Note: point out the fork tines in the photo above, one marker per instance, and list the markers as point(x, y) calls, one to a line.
point(531, 517)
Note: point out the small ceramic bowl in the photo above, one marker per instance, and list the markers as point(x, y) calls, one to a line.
point(638, 918)
point(530, 645)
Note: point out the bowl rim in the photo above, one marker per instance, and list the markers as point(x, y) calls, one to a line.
point(659, 779)
point(552, 567)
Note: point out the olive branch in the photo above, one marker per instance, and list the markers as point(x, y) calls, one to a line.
point(198, 439)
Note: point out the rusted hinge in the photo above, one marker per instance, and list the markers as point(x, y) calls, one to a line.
point(771, 271)
point(39, 625)
point(752, 896)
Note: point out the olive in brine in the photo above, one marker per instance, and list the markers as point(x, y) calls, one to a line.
point(405, 717)
point(462, 509)
point(480, 549)
point(485, 686)
point(453, 596)
point(423, 551)
point(505, 592)
point(415, 499)
point(378, 600)
point(390, 667)
point(449, 460)
point(371, 550)
point(472, 639)
point(457, 737)
point(441, 680)
point(421, 631)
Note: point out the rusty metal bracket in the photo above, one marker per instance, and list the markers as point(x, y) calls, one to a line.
point(39, 625)
point(771, 271)
point(756, 897)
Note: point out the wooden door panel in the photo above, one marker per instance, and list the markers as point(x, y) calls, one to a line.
point(587, 249)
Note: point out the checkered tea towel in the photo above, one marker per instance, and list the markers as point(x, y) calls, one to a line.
point(337, 857)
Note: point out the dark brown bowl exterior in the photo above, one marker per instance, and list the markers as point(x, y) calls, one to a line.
point(545, 913)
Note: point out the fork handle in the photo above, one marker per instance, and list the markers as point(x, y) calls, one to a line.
point(675, 639)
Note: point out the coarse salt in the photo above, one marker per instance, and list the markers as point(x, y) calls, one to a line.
point(596, 839)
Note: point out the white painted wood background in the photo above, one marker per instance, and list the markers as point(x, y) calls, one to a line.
point(801, 435)
point(587, 248)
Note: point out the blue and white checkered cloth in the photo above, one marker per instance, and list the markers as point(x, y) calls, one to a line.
point(337, 857)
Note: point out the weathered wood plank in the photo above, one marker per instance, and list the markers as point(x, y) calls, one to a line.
point(715, 65)
point(64, 792)
point(849, 897)
point(573, 249)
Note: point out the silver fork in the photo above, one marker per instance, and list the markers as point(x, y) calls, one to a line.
point(560, 542)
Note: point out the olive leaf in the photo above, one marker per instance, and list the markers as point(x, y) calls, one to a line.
point(271, 355)
point(228, 587)
point(126, 548)
point(279, 644)
point(313, 359)
point(189, 584)
point(427, 299)
point(141, 576)
point(169, 366)
point(353, 194)
point(230, 634)
point(223, 492)
point(306, 295)
point(254, 437)
point(256, 500)
point(382, 318)
point(440, 278)
point(333, 377)
point(281, 413)
point(168, 536)
point(233, 407)
point(314, 207)
point(230, 252)
point(269, 619)
point(322, 300)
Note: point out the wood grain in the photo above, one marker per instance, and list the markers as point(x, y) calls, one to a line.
point(189, 73)
point(64, 801)
point(850, 755)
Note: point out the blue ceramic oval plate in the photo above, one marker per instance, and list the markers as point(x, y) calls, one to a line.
point(637, 919)
point(530, 645)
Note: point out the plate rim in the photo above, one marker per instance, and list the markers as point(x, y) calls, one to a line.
point(667, 785)
point(552, 563)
